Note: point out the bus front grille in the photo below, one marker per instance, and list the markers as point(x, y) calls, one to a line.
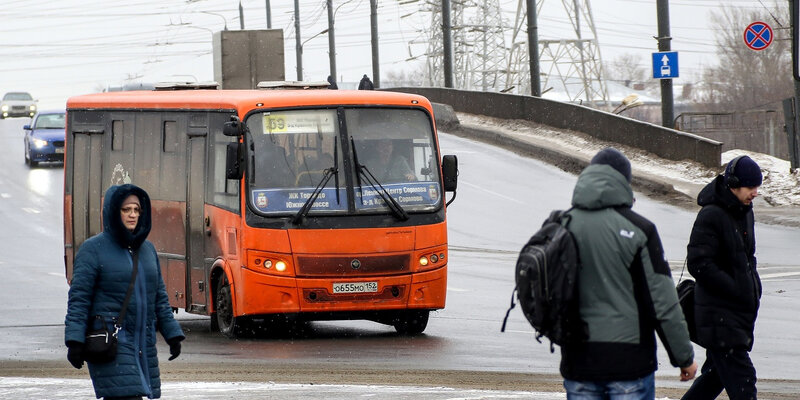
point(352, 265)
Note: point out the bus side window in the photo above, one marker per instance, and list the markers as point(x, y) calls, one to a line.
point(117, 129)
point(221, 191)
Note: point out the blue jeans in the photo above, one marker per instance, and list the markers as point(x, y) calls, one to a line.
point(638, 389)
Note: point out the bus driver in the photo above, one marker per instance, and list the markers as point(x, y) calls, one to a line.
point(387, 166)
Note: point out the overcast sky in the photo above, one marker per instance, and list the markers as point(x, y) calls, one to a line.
point(57, 49)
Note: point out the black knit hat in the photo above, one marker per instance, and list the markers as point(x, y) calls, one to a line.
point(614, 158)
point(742, 171)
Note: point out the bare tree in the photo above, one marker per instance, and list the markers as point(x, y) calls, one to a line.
point(626, 69)
point(746, 79)
point(403, 77)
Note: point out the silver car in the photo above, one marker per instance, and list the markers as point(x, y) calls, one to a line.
point(17, 104)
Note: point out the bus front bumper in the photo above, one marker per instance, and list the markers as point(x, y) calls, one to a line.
point(267, 294)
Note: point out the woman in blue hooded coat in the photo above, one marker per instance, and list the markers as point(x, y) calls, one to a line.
point(102, 273)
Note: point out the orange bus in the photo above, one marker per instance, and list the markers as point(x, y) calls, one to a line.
point(273, 205)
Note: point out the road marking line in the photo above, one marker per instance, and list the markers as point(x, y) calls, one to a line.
point(491, 192)
point(779, 275)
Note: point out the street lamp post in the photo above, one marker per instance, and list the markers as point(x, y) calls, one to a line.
point(298, 45)
point(331, 43)
point(219, 15)
point(300, 54)
point(241, 16)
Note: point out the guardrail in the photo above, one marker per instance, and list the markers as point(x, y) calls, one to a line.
point(664, 142)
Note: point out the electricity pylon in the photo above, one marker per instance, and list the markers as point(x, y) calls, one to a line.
point(486, 33)
point(483, 61)
point(434, 69)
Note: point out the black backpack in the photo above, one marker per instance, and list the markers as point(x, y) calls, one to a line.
point(546, 279)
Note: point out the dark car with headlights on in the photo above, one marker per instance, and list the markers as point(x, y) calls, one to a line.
point(17, 104)
point(44, 137)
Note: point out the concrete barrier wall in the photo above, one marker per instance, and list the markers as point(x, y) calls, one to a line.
point(664, 142)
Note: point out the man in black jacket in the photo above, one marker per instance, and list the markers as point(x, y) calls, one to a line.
point(721, 258)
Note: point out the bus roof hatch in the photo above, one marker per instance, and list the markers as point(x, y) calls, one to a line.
point(292, 85)
point(185, 85)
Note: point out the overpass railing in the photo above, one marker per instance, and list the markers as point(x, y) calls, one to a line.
point(664, 142)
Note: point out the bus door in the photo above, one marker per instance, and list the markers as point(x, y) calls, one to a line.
point(85, 183)
point(195, 217)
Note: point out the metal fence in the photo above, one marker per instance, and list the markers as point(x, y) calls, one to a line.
point(758, 130)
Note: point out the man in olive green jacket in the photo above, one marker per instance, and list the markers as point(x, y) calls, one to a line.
point(626, 291)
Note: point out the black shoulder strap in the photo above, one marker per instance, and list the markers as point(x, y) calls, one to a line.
point(130, 290)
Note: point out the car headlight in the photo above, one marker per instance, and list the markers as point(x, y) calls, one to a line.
point(39, 143)
point(33, 107)
point(4, 107)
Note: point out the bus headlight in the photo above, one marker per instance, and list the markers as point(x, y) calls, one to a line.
point(264, 262)
point(280, 266)
point(430, 259)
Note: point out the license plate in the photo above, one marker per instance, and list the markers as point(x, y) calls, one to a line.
point(355, 287)
point(59, 150)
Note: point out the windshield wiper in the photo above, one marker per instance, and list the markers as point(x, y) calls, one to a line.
point(332, 171)
point(364, 172)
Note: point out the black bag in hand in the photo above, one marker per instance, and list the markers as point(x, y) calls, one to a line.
point(100, 345)
point(686, 298)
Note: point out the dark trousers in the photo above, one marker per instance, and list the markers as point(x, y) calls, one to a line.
point(726, 369)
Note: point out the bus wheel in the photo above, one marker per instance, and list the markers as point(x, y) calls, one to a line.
point(411, 322)
point(225, 321)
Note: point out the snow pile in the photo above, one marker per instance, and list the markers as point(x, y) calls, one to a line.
point(781, 186)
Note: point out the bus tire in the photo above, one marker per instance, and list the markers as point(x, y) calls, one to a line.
point(228, 325)
point(214, 323)
point(411, 322)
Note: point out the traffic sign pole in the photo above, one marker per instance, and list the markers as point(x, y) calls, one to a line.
point(795, 6)
point(667, 110)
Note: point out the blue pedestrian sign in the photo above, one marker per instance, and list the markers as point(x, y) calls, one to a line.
point(665, 65)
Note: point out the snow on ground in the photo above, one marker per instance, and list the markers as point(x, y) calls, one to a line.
point(58, 389)
point(781, 186)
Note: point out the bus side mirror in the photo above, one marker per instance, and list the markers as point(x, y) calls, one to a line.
point(450, 172)
point(233, 164)
point(233, 127)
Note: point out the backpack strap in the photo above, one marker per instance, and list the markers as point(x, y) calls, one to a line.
point(503, 328)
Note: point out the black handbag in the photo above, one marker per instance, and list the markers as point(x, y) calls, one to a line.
point(100, 345)
point(685, 290)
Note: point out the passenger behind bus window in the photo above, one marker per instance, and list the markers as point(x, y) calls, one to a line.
point(273, 167)
point(387, 165)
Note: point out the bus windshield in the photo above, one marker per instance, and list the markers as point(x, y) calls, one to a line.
point(389, 152)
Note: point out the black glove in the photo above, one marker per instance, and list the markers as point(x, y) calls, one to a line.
point(174, 347)
point(75, 354)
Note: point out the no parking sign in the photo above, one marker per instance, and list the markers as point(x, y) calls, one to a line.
point(758, 36)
